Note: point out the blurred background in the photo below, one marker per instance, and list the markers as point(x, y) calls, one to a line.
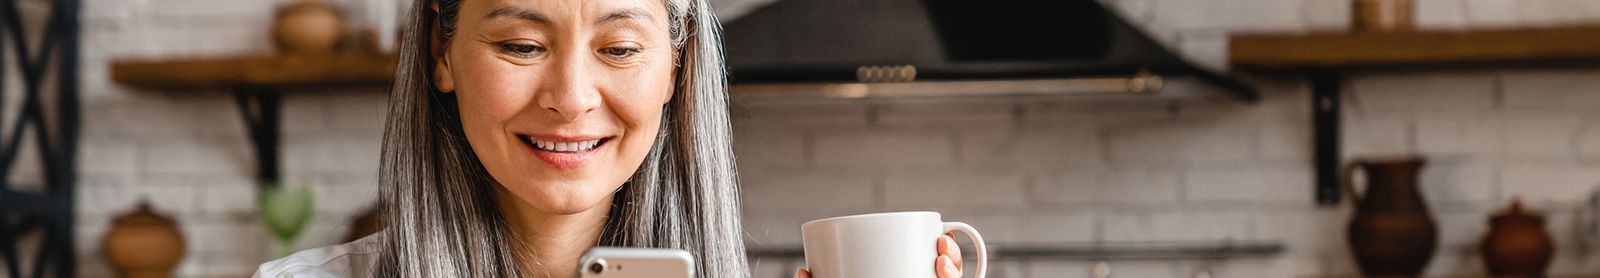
point(1112, 138)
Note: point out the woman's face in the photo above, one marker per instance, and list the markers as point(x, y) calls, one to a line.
point(560, 99)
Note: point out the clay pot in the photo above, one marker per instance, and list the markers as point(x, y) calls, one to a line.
point(308, 27)
point(1517, 244)
point(1382, 15)
point(143, 244)
point(1392, 232)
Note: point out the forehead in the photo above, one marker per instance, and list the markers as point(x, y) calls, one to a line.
point(563, 12)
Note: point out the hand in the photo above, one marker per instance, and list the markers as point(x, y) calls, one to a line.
point(947, 265)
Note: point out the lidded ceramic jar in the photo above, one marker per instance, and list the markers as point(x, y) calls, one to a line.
point(1517, 243)
point(143, 244)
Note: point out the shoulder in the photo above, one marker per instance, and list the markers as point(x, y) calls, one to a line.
point(354, 259)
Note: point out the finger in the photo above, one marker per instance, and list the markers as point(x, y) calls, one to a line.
point(945, 269)
point(949, 247)
point(801, 273)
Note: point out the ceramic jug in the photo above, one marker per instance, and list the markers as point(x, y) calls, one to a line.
point(1392, 232)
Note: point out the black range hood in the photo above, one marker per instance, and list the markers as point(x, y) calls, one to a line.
point(804, 41)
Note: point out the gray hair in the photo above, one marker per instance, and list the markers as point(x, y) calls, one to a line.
point(440, 208)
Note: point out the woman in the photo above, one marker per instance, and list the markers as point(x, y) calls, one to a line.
point(522, 132)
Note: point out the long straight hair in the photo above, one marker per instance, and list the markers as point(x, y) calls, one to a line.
point(443, 219)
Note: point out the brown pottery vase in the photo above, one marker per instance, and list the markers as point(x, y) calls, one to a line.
point(1382, 15)
point(1517, 244)
point(143, 244)
point(308, 27)
point(1392, 232)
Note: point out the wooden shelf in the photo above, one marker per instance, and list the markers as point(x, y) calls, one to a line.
point(256, 82)
point(257, 71)
point(1416, 48)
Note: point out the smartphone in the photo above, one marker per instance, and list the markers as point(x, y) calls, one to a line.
point(617, 262)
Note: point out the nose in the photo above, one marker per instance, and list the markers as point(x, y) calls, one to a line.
point(568, 89)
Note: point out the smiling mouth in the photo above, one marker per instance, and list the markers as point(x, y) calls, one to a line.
point(563, 147)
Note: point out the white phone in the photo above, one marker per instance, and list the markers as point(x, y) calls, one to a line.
point(618, 262)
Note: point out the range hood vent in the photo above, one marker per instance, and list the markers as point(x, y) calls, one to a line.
point(835, 41)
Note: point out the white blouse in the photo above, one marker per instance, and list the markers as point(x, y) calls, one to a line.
point(350, 260)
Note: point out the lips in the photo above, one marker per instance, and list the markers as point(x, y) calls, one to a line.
point(563, 152)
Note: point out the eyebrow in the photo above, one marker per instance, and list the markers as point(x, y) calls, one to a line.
point(535, 17)
point(519, 13)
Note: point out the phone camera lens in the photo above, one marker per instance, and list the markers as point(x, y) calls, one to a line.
point(597, 267)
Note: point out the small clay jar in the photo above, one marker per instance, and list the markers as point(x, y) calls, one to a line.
point(143, 244)
point(1517, 244)
point(1382, 15)
point(308, 27)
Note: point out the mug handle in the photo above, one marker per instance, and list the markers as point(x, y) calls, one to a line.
point(977, 241)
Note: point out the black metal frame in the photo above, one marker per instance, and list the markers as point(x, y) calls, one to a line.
point(55, 130)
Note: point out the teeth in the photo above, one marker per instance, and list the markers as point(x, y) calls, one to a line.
point(566, 146)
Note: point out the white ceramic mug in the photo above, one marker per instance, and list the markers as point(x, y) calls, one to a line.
point(895, 244)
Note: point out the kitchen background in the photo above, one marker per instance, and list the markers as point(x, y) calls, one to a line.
point(1067, 170)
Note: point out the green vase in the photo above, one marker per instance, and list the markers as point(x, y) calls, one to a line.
point(285, 210)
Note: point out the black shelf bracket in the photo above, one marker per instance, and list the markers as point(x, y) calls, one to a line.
point(1325, 87)
point(260, 109)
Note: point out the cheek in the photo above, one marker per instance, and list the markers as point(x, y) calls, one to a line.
point(640, 98)
point(489, 93)
point(489, 97)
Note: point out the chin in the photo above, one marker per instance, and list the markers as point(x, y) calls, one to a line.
point(564, 202)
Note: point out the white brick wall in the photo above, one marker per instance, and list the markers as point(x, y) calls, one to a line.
point(1590, 143)
point(1451, 135)
point(1181, 142)
point(1440, 14)
point(1492, 13)
point(1440, 91)
point(1263, 184)
point(884, 149)
point(807, 190)
point(1552, 89)
point(1021, 170)
point(980, 188)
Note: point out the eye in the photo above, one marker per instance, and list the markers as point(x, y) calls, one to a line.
point(619, 52)
point(524, 50)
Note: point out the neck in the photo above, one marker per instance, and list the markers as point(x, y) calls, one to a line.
point(551, 244)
